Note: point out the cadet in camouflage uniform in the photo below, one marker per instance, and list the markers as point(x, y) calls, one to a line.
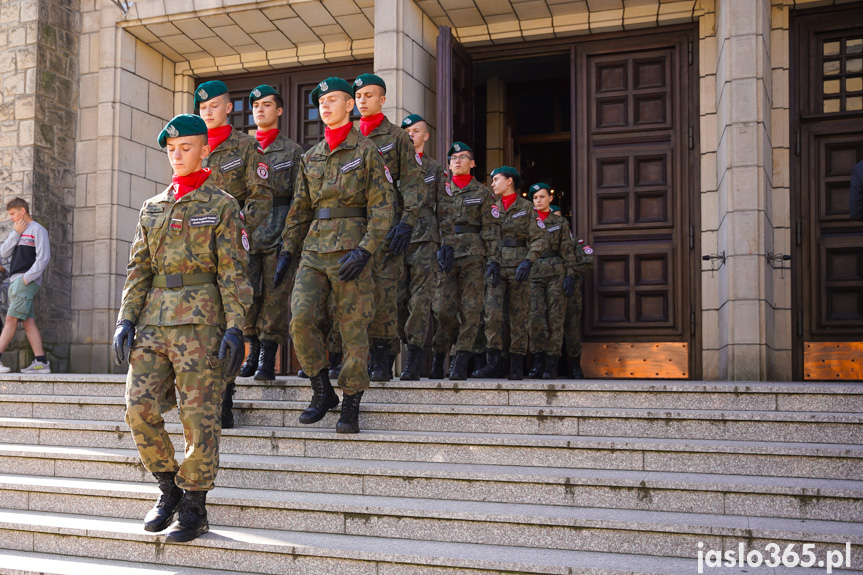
point(268, 316)
point(470, 232)
point(405, 167)
point(420, 282)
point(182, 312)
point(238, 167)
point(572, 322)
point(340, 215)
point(553, 275)
point(522, 240)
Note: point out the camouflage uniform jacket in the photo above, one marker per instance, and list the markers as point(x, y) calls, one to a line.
point(470, 206)
point(406, 168)
point(352, 175)
point(583, 257)
point(239, 168)
point(560, 241)
point(428, 228)
point(283, 157)
point(199, 233)
point(521, 224)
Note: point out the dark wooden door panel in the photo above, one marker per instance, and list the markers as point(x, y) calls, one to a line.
point(455, 93)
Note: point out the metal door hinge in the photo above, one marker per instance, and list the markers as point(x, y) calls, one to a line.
point(691, 139)
point(691, 323)
point(797, 143)
point(691, 237)
point(799, 233)
point(690, 52)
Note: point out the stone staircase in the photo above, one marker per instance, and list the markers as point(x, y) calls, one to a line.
point(447, 477)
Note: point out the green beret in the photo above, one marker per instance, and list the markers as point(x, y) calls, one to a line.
point(507, 171)
point(459, 147)
point(261, 91)
point(555, 209)
point(182, 125)
point(209, 90)
point(537, 187)
point(411, 120)
point(369, 80)
point(331, 84)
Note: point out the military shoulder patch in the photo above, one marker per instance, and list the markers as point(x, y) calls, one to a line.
point(388, 174)
point(495, 212)
point(588, 250)
point(263, 170)
point(353, 164)
point(429, 179)
point(448, 189)
point(540, 223)
point(418, 158)
point(245, 239)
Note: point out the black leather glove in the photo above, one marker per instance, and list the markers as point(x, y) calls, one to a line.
point(234, 348)
point(522, 272)
point(445, 258)
point(493, 270)
point(282, 267)
point(399, 237)
point(353, 263)
point(569, 285)
point(124, 335)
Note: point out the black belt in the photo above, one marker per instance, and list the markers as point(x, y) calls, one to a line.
point(331, 213)
point(550, 254)
point(468, 229)
point(180, 280)
point(513, 244)
point(279, 202)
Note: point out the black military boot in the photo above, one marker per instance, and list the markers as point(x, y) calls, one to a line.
point(349, 422)
point(335, 365)
point(458, 366)
point(437, 366)
point(191, 520)
point(479, 362)
point(551, 362)
point(251, 364)
point(493, 365)
point(228, 406)
point(516, 366)
point(413, 364)
point(267, 364)
point(379, 356)
point(575, 367)
point(323, 399)
point(302, 374)
point(538, 367)
point(160, 516)
point(391, 361)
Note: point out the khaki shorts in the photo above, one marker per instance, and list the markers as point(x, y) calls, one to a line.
point(21, 299)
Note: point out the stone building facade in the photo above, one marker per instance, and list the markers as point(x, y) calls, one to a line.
point(86, 85)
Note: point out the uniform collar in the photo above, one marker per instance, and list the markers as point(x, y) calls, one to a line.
point(384, 128)
point(201, 194)
point(279, 143)
point(348, 143)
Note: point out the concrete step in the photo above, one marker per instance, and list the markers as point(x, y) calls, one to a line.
point(58, 536)
point(30, 563)
point(726, 396)
point(721, 494)
point(778, 459)
point(820, 427)
point(538, 527)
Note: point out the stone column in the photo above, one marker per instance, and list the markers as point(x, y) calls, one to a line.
point(38, 119)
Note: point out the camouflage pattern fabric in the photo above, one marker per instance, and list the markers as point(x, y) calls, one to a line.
point(417, 292)
point(519, 223)
point(471, 205)
point(268, 315)
point(572, 321)
point(460, 299)
point(238, 167)
point(181, 360)
point(317, 278)
point(547, 298)
point(199, 233)
point(283, 156)
point(352, 175)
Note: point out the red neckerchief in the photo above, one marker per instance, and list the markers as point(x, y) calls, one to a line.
point(216, 136)
point(543, 215)
point(185, 184)
point(334, 137)
point(462, 181)
point(368, 125)
point(421, 154)
point(508, 201)
point(266, 137)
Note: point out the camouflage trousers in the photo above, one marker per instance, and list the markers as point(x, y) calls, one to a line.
point(547, 311)
point(518, 308)
point(459, 305)
point(572, 321)
point(166, 363)
point(267, 318)
point(334, 338)
point(388, 271)
point(417, 292)
point(317, 279)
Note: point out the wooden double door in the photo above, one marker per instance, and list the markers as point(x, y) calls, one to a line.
point(635, 194)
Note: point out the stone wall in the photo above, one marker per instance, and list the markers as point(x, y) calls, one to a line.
point(39, 87)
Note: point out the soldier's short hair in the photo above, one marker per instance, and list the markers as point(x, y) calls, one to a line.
point(18, 203)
